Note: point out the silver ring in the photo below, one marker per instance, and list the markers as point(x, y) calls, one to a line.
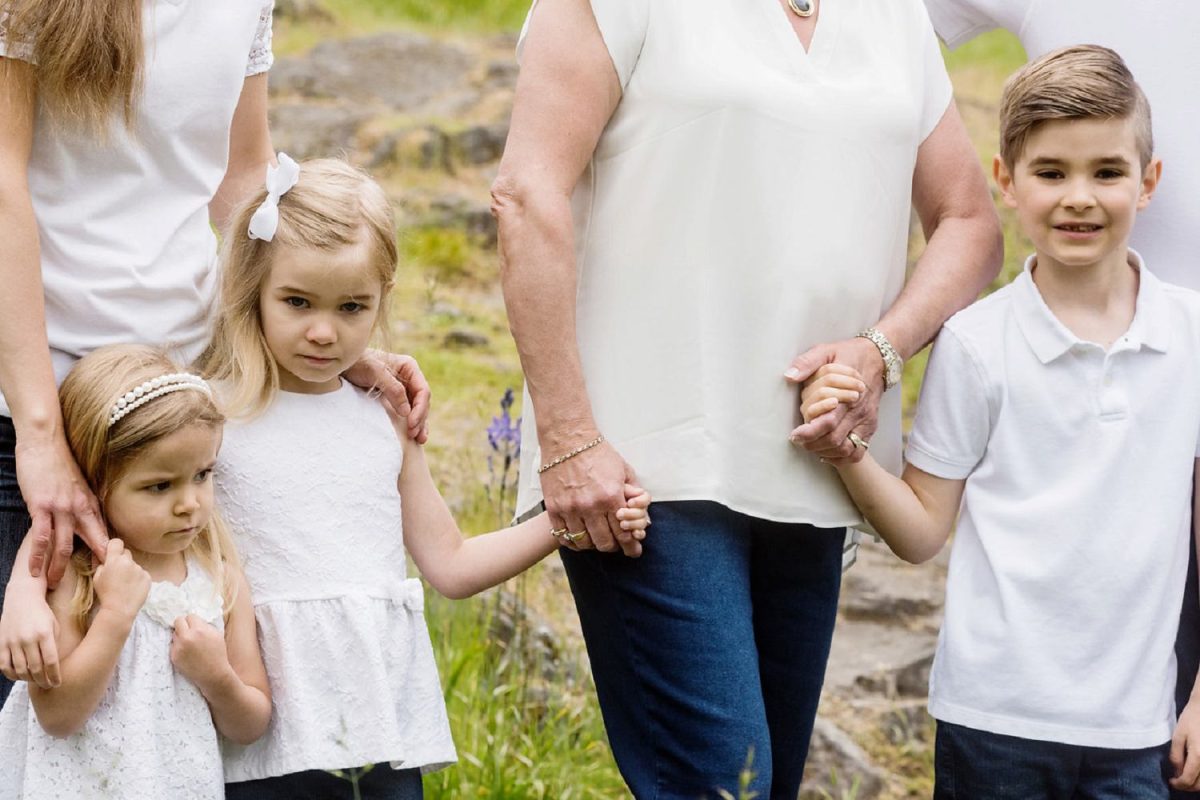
point(858, 441)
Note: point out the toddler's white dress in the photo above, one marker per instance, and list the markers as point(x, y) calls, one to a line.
point(152, 734)
point(309, 491)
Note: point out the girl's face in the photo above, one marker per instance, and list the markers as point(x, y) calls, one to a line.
point(318, 310)
point(164, 497)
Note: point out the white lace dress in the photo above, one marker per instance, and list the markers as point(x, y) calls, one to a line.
point(309, 490)
point(152, 734)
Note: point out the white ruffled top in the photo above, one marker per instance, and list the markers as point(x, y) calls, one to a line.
point(152, 734)
point(309, 491)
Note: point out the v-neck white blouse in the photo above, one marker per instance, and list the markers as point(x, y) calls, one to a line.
point(747, 200)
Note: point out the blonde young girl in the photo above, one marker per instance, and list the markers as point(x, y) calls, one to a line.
point(157, 643)
point(324, 495)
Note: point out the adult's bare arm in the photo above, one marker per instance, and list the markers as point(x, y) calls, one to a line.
point(566, 92)
point(963, 254)
point(250, 151)
point(59, 501)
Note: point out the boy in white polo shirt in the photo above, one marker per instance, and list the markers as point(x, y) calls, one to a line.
point(1062, 413)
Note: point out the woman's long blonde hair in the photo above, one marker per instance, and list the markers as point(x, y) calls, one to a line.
point(88, 56)
point(104, 453)
point(332, 206)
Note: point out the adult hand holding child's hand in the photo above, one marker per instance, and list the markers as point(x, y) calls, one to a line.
point(828, 434)
point(831, 387)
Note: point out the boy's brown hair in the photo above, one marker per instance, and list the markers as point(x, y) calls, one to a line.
point(1080, 82)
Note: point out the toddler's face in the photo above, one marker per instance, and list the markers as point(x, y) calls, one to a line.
point(318, 311)
point(1077, 187)
point(165, 496)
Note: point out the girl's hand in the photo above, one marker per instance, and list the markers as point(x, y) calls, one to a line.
point(198, 652)
point(60, 506)
point(121, 584)
point(28, 632)
point(634, 517)
point(831, 385)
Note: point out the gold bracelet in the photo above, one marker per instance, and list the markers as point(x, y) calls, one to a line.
point(572, 454)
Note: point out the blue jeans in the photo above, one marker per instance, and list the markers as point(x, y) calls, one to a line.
point(14, 518)
point(381, 782)
point(1187, 650)
point(977, 765)
point(711, 645)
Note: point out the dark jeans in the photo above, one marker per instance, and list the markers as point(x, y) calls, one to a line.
point(381, 782)
point(711, 645)
point(977, 765)
point(14, 519)
point(1187, 650)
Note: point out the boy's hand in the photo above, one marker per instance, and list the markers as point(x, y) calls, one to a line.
point(1185, 748)
point(28, 636)
point(634, 517)
point(830, 386)
point(121, 584)
point(198, 652)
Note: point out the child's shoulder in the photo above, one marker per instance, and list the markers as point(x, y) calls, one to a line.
point(980, 321)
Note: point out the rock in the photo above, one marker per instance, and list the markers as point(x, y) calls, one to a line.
point(397, 70)
point(455, 211)
point(907, 723)
point(881, 588)
point(480, 144)
point(910, 679)
point(302, 11)
point(459, 339)
point(314, 131)
point(836, 765)
point(426, 147)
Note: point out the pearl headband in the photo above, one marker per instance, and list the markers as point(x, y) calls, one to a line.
point(138, 396)
point(280, 180)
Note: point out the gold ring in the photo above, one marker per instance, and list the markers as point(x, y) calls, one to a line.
point(575, 536)
point(558, 532)
point(858, 441)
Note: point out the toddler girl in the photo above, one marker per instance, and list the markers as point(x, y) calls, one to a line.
point(157, 643)
point(325, 494)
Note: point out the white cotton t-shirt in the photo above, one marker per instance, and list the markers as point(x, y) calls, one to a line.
point(746, 201)
point(127, 251)
point(1158, 42)
point(1067, 569)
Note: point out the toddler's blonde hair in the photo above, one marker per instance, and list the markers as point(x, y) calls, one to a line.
point(333, 205)
point(104, 453)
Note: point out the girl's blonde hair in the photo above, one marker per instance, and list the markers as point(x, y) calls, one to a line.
point(88, 56)
point(104, 453)
point(333, 205)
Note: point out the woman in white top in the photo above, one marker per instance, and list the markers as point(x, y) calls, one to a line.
point(126, 128)
point(693, 193)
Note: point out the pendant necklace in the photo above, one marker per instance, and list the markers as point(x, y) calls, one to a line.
point(802, 8)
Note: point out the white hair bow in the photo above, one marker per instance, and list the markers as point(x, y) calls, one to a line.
point(280, 180)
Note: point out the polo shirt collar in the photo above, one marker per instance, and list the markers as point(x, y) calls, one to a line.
point(1050, 339)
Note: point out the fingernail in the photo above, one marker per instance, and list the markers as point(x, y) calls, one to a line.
point(792, 373)
point(856, 395)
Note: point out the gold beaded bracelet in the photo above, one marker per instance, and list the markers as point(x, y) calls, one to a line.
point(572, 454)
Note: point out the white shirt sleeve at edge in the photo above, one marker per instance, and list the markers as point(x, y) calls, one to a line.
point(953, 424)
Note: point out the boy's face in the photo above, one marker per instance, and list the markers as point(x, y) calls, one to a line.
point(1077, 187)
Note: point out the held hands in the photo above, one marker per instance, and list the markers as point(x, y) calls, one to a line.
point(828, 434)
point(1185, 748)
point(584, 494)
point(198, 652)
point(830, 388)
point(120, 582)
point(633, 520)
point(60, 505)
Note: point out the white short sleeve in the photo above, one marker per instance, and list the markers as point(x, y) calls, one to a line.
point(261, 55)
point(21, 51)
point(953, 422)
point(938, 89)
point(959, 21)
point(622, 25)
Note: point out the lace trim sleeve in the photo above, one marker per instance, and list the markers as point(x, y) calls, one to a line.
point(261, 56)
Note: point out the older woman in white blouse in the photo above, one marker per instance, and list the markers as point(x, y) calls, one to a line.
point(693, 194)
